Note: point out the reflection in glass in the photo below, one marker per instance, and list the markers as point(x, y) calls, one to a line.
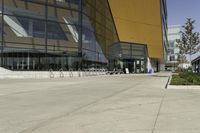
point(56, 34)
point(127, 55)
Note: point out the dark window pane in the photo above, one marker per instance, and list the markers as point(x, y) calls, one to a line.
point(38, 29)
point(55, 31)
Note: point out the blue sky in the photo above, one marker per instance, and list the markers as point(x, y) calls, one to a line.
point(179, 10)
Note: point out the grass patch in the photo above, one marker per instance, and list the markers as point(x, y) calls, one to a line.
point(188, 78)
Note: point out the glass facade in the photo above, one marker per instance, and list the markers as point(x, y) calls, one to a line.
point(128, 55)
point(55, 34)
point(164, 27)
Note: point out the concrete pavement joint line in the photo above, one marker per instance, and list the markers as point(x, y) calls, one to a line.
point(159, 109)
point(48, 121)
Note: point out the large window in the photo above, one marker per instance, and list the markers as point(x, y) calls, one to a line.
point(39, 35)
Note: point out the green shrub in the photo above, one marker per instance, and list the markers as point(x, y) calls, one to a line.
point(186, 78)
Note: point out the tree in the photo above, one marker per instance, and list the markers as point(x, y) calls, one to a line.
point(189, 42)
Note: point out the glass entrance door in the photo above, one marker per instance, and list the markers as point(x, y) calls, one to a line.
point(130, 64)
point(134, 65)
point(140, 66)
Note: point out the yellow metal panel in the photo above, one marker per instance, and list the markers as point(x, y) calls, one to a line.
point(139, 21)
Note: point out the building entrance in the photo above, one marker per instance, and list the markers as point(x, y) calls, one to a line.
point(134, 65)
point(128, 55)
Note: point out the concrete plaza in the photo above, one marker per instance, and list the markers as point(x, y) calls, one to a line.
point(104, 104)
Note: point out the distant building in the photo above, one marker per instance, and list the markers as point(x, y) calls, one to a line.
point(196, 64)
point(184, 65)
point(172, 56)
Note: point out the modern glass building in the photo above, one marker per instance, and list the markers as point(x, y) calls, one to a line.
point(143, 22)
point(81, 34)
point(174, 33)
point(55, 34)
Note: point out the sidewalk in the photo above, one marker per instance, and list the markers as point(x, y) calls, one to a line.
point(105, 104)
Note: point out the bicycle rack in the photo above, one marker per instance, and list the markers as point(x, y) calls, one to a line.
point(79, 72)
point(92, 72)
point(85, 72)
point(71, 73)
point(101, 71)
point(61, 73)
point(89, 70)
point(51, 73)
point(96, 72)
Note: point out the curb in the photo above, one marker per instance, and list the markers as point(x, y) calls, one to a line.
point(183, 87)
point(168, 82)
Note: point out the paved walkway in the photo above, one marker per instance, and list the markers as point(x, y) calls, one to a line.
point(107, 104)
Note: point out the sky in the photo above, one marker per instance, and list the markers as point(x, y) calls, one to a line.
point(179, 10)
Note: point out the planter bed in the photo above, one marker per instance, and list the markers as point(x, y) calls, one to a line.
point(185, 79)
